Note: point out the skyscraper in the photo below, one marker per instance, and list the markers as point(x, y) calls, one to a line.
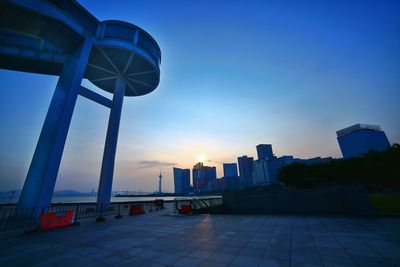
point(361, 138)
point(246, 170)
point(274, 166)
point(228, 183)
point(266, 171)
point(230, 170)
point(181, 180)
point(260, 172)
point(204, 178)
point(264, 151)
point(198, 179)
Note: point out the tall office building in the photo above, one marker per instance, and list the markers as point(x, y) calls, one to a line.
point(228, 183)
point(181, 180)
point(264, 151)
point(361, 138)
point(204, 178)
point(230, 170)
point(260, 172)
point(274, 166)
point(311, 161)
point(197, 178)
point(231, 180)
point(266, 171)
point(246, 170)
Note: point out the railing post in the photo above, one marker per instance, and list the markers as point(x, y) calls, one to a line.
point(118, 216)
point(76, 214)
point(101, 218)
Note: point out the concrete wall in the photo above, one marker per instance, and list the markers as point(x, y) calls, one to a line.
point(349, 201)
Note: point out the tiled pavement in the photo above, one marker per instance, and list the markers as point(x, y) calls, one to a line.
point(159, 239)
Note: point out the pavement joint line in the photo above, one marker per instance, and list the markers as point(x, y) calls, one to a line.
point(312, 237)
point(288, 233)
point(335, 238)
point(375, 250)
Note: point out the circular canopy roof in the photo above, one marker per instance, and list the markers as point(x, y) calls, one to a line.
point(40, 37)
point(124, 49)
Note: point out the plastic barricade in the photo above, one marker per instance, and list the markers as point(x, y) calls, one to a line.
point(136, 209)
point(185, 209)
point(52, 220)
point(159, 203)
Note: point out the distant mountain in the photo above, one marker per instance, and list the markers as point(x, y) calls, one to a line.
point(61, 193)
point(9, 194)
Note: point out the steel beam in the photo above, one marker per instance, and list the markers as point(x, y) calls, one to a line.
point(95, 97)
point(41, 178)
point(107, 167)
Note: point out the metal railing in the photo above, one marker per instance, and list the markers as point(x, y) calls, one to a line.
point(199, 205)
point(12, 218)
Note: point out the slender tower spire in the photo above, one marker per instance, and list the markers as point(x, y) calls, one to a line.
point(159, 183)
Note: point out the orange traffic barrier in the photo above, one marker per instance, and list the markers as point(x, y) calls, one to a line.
point(52, 220)
point(185, 209)
point(136, 209)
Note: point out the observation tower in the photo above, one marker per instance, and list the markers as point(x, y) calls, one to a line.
point(60, 37)
point(159, 183)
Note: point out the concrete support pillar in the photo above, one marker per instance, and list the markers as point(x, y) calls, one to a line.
point(41, 178)
point(107, 167)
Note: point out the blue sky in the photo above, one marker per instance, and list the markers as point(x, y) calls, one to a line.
point(234, 74)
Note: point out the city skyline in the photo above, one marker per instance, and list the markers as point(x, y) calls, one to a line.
point(280, 93)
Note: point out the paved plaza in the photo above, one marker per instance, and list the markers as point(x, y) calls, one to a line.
point(163, 239)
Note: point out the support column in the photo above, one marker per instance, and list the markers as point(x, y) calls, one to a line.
point(110, 147)
point(41, 178)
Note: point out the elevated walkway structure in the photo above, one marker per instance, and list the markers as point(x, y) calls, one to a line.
point(60, 37)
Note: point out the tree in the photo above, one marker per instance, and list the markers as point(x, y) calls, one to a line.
point(380, 170)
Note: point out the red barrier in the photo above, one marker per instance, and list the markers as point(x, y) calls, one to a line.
point(136, 209)
point(185, 209)
point(52, 220)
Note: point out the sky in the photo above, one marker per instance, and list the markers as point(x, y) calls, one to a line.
point(234, 74)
